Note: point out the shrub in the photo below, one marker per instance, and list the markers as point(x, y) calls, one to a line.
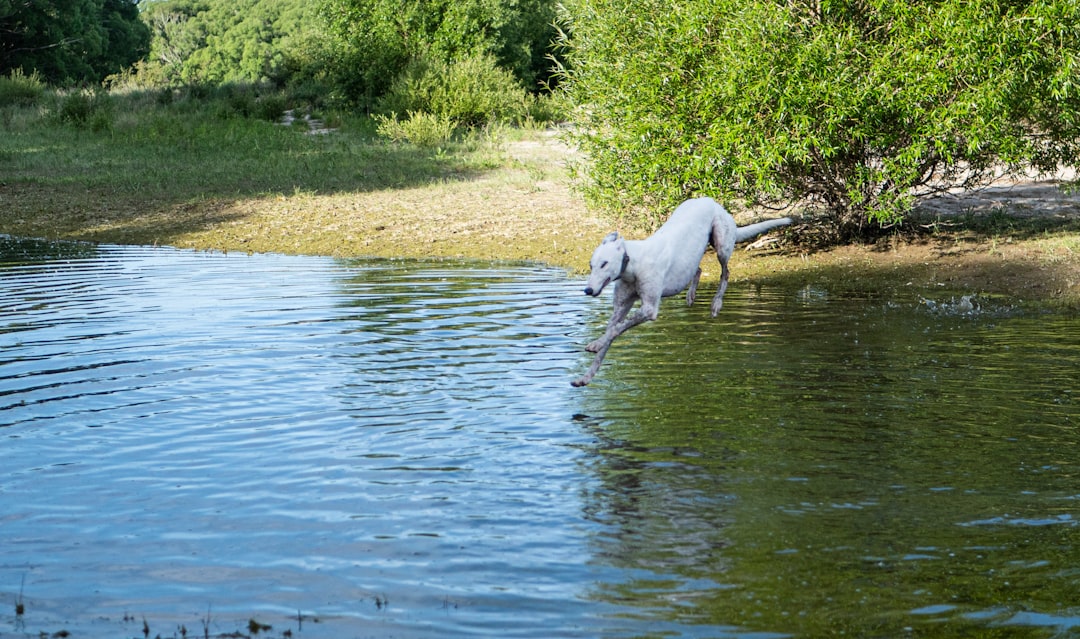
point(270, 107)
point(547, 108)
point(237, 100)
point(419, 128)
point(17, 88)
point(374, 40)
point(86, 109)
point(860, 107)
point(472, 91)
point(246, 101)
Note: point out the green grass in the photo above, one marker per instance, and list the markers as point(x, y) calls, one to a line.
point(138, 149)
point(214, 169)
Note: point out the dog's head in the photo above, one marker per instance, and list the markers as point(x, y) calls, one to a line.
point(608, 262)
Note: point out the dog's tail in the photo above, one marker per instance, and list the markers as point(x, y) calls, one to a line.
point(744, 233)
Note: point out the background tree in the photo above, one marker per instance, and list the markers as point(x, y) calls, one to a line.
point(861, 106)
point(377, 39)
point(71, 40)
point(216, 41)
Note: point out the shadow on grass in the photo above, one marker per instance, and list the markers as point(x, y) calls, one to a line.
point(1021, 211)
point(167, 172)
point(1019, 240)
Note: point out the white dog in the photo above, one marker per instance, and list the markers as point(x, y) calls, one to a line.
point(662, 265)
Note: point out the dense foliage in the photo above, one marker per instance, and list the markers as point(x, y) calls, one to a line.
point(215, 41)
point(472, 91)
point(376, 40)
point(453, 60)
point(859, 106)
point(460, 65)
point(70, 40)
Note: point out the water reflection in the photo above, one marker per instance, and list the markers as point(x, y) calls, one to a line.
point(394, 449)
point(807, 466)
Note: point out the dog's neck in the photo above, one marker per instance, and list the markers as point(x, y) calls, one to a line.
point(626, 274)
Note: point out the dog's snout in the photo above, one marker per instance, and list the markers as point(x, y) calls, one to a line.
point(588, 290)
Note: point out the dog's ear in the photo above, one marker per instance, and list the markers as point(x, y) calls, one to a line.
point(611, 237)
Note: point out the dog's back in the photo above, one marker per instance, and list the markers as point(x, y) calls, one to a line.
point(676, 248)
point(691, 218)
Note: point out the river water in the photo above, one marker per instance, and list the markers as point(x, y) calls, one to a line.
point(198, 442)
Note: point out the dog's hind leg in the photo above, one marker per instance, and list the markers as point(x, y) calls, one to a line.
point(723, 240)
point(718, 300)
point(691, 293)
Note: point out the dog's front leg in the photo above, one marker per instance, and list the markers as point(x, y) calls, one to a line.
point(599, 359)
point(646, 313)
point(623, 301)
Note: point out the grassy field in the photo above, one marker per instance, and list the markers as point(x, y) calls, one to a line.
point(224, 174)
point(204, 176)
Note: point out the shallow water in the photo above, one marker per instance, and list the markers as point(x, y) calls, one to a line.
point(393, 449)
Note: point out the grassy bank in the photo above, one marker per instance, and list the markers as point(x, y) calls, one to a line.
point(223, 174)
point(205, 175)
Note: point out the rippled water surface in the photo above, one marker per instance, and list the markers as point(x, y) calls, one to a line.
point(393, 449)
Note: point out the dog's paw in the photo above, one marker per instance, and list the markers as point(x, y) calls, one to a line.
point(594, 346)
point(716, 306)
point(579, 382)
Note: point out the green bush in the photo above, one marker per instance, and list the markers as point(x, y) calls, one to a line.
point(243, 100)
point(374, 40)
point(230, 41)
point(270, 107)
point(472, 91)
point(857, 107)
point(17, 88)
point(547, 108)
point(86, 109)
point(422, 129)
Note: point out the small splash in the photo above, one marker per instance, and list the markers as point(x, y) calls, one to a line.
point(965, 305)
point(811, 294)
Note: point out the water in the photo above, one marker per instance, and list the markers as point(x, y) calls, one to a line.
point(393, 449)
